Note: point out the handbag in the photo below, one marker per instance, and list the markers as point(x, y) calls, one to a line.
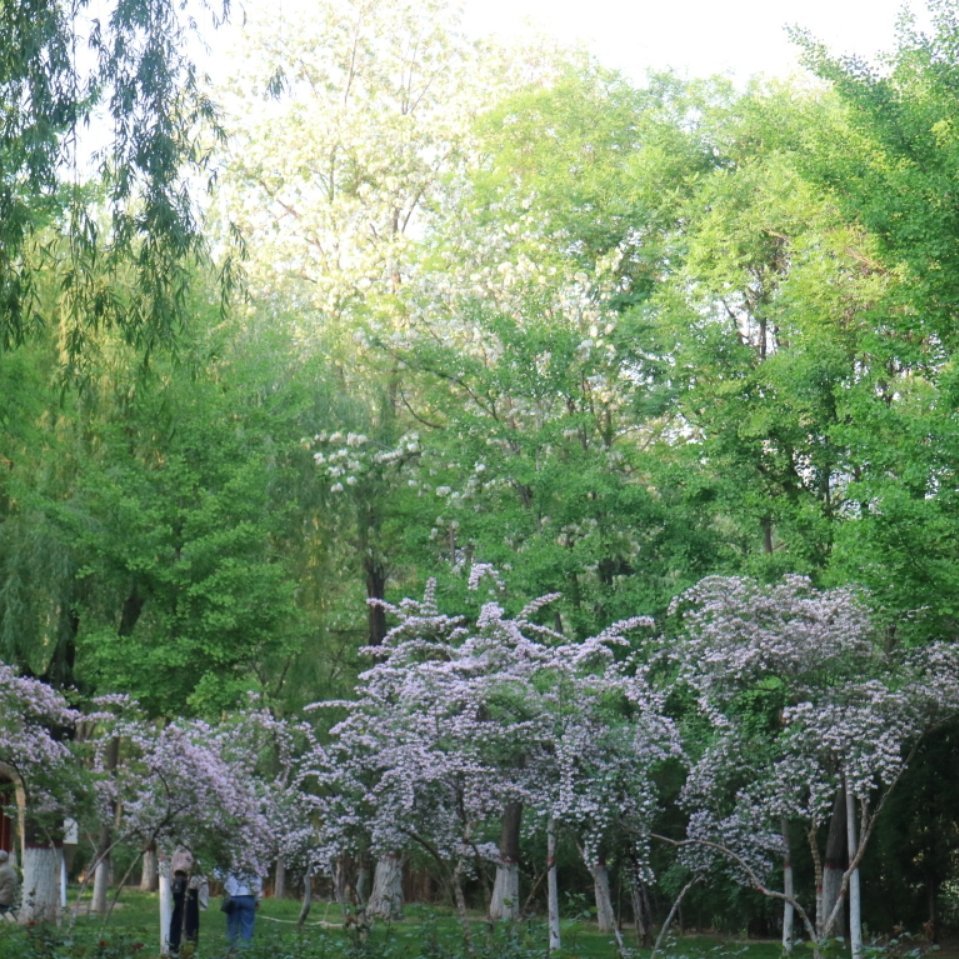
point(226, 904)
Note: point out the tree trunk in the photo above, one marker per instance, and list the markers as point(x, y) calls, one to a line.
point(552, 888)
point(103, 872)
point(386, 899)
point(505, 901)
point(166, 902)
point(460, 898)
point(342, 884)
point(605, 914)
point(789, 888)
point(40, 894)
point(375, 589)
point(362, 882)
point(639, 901)
point(855, 915)
point(834, 866)
point(307, 902)
point(148, 872)
point(279, 880)
point(673, 912)
point(101, 885)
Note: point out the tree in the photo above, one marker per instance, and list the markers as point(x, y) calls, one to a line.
point(128, 216)
point(805, 705)
point(533, 370)
point(364, 113)
point(766, 317)
point(35, 722)
point(892, 171)
point(460, 721)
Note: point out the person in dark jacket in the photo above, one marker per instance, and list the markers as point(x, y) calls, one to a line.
point(191, 893)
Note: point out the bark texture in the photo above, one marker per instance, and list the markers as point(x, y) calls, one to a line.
point(166, 904)
point(834, 865)
point(789, 888)
point(40, 892)
point(386, 899)
point(855, 915)
point(505, 901)
point(552, 889)
point(148, 872)
point(605, 914)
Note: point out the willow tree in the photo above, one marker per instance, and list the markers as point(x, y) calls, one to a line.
point(103, 110)
point(99, 139)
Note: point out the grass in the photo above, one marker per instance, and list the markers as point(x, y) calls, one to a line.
point(132, 932)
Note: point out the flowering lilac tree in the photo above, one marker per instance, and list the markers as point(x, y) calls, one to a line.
point(458, 722)
point(199, 786)
point(605, 733)
point(36, 723)
point(411, 751)
point(805, 707)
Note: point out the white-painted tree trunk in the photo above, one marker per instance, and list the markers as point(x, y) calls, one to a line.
point(101, 886)
point(166, 903)
point(605, 914)
point(855, 893)
point(789, 910)
point(834, 865)
point(148, 873)
point(552, 888)
point(104, 872)
point(40, 893)
point(789, 888)
point(386, 899)
point(504, 902)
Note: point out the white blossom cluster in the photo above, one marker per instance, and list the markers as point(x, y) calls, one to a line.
point(456, 720)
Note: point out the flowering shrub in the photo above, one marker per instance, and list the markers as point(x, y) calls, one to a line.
point(36, 726)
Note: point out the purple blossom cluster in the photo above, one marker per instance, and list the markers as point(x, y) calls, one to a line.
point(457, 720)
point(36, 725)
point(801, 702)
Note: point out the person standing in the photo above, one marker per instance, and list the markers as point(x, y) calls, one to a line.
point(244, 890)
point(9, 886)
point(191, 893)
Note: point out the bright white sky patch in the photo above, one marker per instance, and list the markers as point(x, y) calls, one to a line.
point(698, 37)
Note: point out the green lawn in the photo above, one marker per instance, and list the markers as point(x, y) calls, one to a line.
point(132, 932)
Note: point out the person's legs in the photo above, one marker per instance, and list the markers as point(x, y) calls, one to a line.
point(247, 918)
point(178, 888)
point(191, 923)
point(240, 919)
point(233, 921)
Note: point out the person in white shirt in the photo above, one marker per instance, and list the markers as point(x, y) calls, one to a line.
point(243, 890)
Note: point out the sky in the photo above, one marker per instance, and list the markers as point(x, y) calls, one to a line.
point(740, 38)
